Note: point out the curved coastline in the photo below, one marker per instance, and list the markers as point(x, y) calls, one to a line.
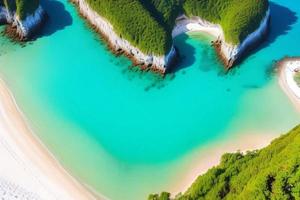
point(35, 168)
point(228, 53)
point(210, 156)
point(287, 68)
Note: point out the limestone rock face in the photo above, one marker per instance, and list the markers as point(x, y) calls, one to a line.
point(233, 53)
point(24, 28)
point(229, 53)
point(160, 63)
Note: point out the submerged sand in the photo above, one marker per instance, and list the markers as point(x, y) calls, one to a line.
point(210, 156)
point(27, 168)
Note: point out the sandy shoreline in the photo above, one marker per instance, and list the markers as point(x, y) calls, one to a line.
point(286, 72)
point(25, 161)
point(209, 156)
point(36, 170)
point(39, 172)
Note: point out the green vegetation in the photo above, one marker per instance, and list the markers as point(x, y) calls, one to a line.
point(148, 24)
point(269, 173)
point(22, 7)
point(26, 7)
point(135, 23)
point(297, 78)
point(237, 18)
point(10, 5)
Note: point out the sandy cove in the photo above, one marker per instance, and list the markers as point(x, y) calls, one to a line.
point(287, 68)
point(26, 164)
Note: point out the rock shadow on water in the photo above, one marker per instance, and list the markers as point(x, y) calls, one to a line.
point(282, 20)
point(147, 79)
point(186, 53)
point(58, 18)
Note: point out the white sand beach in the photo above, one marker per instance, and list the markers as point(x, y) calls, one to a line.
point(287, 68)
point(184, 25)
point(27, 169)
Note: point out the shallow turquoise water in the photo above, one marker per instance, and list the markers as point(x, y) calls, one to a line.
point(128, 133)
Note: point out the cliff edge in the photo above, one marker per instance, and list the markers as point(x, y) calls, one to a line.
point(23, 17)
point(144, 30)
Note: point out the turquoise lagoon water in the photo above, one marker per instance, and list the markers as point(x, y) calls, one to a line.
point(127, 133)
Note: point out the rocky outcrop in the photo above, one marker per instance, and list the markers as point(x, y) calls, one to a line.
point(118, 44)
point(234, 53)
point(26, 28)
point(230, 54)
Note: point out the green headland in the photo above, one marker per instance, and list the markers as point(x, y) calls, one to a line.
point(149, 25)
point(269, 173)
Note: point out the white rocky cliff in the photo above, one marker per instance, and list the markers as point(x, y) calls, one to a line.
point(24, 28)
point(230, 53)
point(158, 63)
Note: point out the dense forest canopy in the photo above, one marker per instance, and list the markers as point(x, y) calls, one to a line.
point(270, 173)
point(148, 24)
point(238, 18)
point(23, 8)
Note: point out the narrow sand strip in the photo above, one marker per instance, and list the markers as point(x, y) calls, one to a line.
point(197, 25)
point(286, 70)
point(26, 166)
point(209, 156)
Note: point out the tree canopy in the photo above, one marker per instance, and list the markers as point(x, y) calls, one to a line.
point(270, 173)
point(148, 24)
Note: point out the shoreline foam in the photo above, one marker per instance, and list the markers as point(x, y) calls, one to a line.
point(34, 167)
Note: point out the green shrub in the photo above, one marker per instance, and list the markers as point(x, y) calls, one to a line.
point(269, 173)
